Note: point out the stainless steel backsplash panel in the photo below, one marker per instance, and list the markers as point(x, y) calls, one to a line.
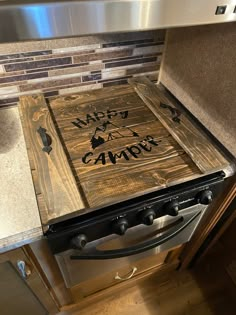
point(25, 20)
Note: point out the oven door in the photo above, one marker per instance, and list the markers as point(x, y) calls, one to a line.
point(112, 252)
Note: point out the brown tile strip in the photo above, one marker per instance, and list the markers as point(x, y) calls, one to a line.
point(66, 54)
point(128, 42)
point(51, 83)
point(15, 83)
point(50, 94)
point(13, 61)
point(6, 101)
point(149, 68)
point(117, 82)
point(26, 54)
point(104, 55)
point(9, 105)
point(57, 67)
point(7, 74)
point(96, 72)
point(91, 77)
point(83, 67)
point(38, 64)
point(150, 44)
point(23, 77)
point(130, 62)
point(113, 80)
point(120, 59)
point(63, 87)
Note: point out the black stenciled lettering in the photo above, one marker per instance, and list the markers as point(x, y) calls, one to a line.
point(79, 122)
point(111, 113)
point(101, 158)
point(90, 118)
point(134, 150)
point(151, 140)
point(145, 147)
point(99, 115)
point(114, 157)
point(85, 157)
point(124, 114)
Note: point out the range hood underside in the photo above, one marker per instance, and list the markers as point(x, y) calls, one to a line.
point(23, 20)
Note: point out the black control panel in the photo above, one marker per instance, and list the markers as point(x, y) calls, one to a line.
point(118, 218)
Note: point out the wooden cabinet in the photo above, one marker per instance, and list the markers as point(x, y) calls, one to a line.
point(193, 250)
point(22, 290)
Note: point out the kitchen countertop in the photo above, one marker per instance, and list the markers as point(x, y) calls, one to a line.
point(19, 217)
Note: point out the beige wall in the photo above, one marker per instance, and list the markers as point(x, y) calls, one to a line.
point(199, 68)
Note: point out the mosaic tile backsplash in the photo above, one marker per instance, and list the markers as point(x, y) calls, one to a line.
point(67, 70)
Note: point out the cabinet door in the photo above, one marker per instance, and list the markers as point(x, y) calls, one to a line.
point(22, 291)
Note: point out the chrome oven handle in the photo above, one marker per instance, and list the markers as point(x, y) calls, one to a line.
point(139, 248)
point(117, 277)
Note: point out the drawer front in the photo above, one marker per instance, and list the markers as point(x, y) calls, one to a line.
point(117, 275)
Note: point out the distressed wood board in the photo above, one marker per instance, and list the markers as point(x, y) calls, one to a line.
point(114, 144)
point(55, 179)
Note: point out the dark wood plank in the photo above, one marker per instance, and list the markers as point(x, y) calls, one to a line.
point(113, 188)
point(121, 161)
point(90, 96)
point(55, 178)
point(126, 158)
point(207, 158)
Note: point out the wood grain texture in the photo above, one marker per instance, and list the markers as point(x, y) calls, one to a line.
point(91, 96)
point(198, 146)
point(125, 158)
point(118, 143)
point(145, 179)
point(56, 181)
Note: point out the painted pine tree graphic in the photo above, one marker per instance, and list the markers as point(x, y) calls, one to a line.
point(108, 131)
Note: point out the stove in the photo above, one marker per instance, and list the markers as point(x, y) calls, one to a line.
point(123, 165)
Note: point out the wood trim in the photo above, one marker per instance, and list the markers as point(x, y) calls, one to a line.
point(47, 267)
point(55, 178)
point(34, 281)
point(174, 254)
point(213, 217)
point(222, 230)
point(200, 149)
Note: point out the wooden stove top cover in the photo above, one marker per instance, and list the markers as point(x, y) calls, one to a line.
point(110, 145)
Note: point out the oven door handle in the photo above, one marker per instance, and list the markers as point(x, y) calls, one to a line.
point(139, 248)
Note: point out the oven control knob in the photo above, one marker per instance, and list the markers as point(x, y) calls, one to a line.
point(148, 216)
point(120, 226)
point(205, 197)
point(79, 241)
point(172, 208)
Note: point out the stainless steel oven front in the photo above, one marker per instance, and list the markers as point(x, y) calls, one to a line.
point(100, 241)
point(79, 266)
